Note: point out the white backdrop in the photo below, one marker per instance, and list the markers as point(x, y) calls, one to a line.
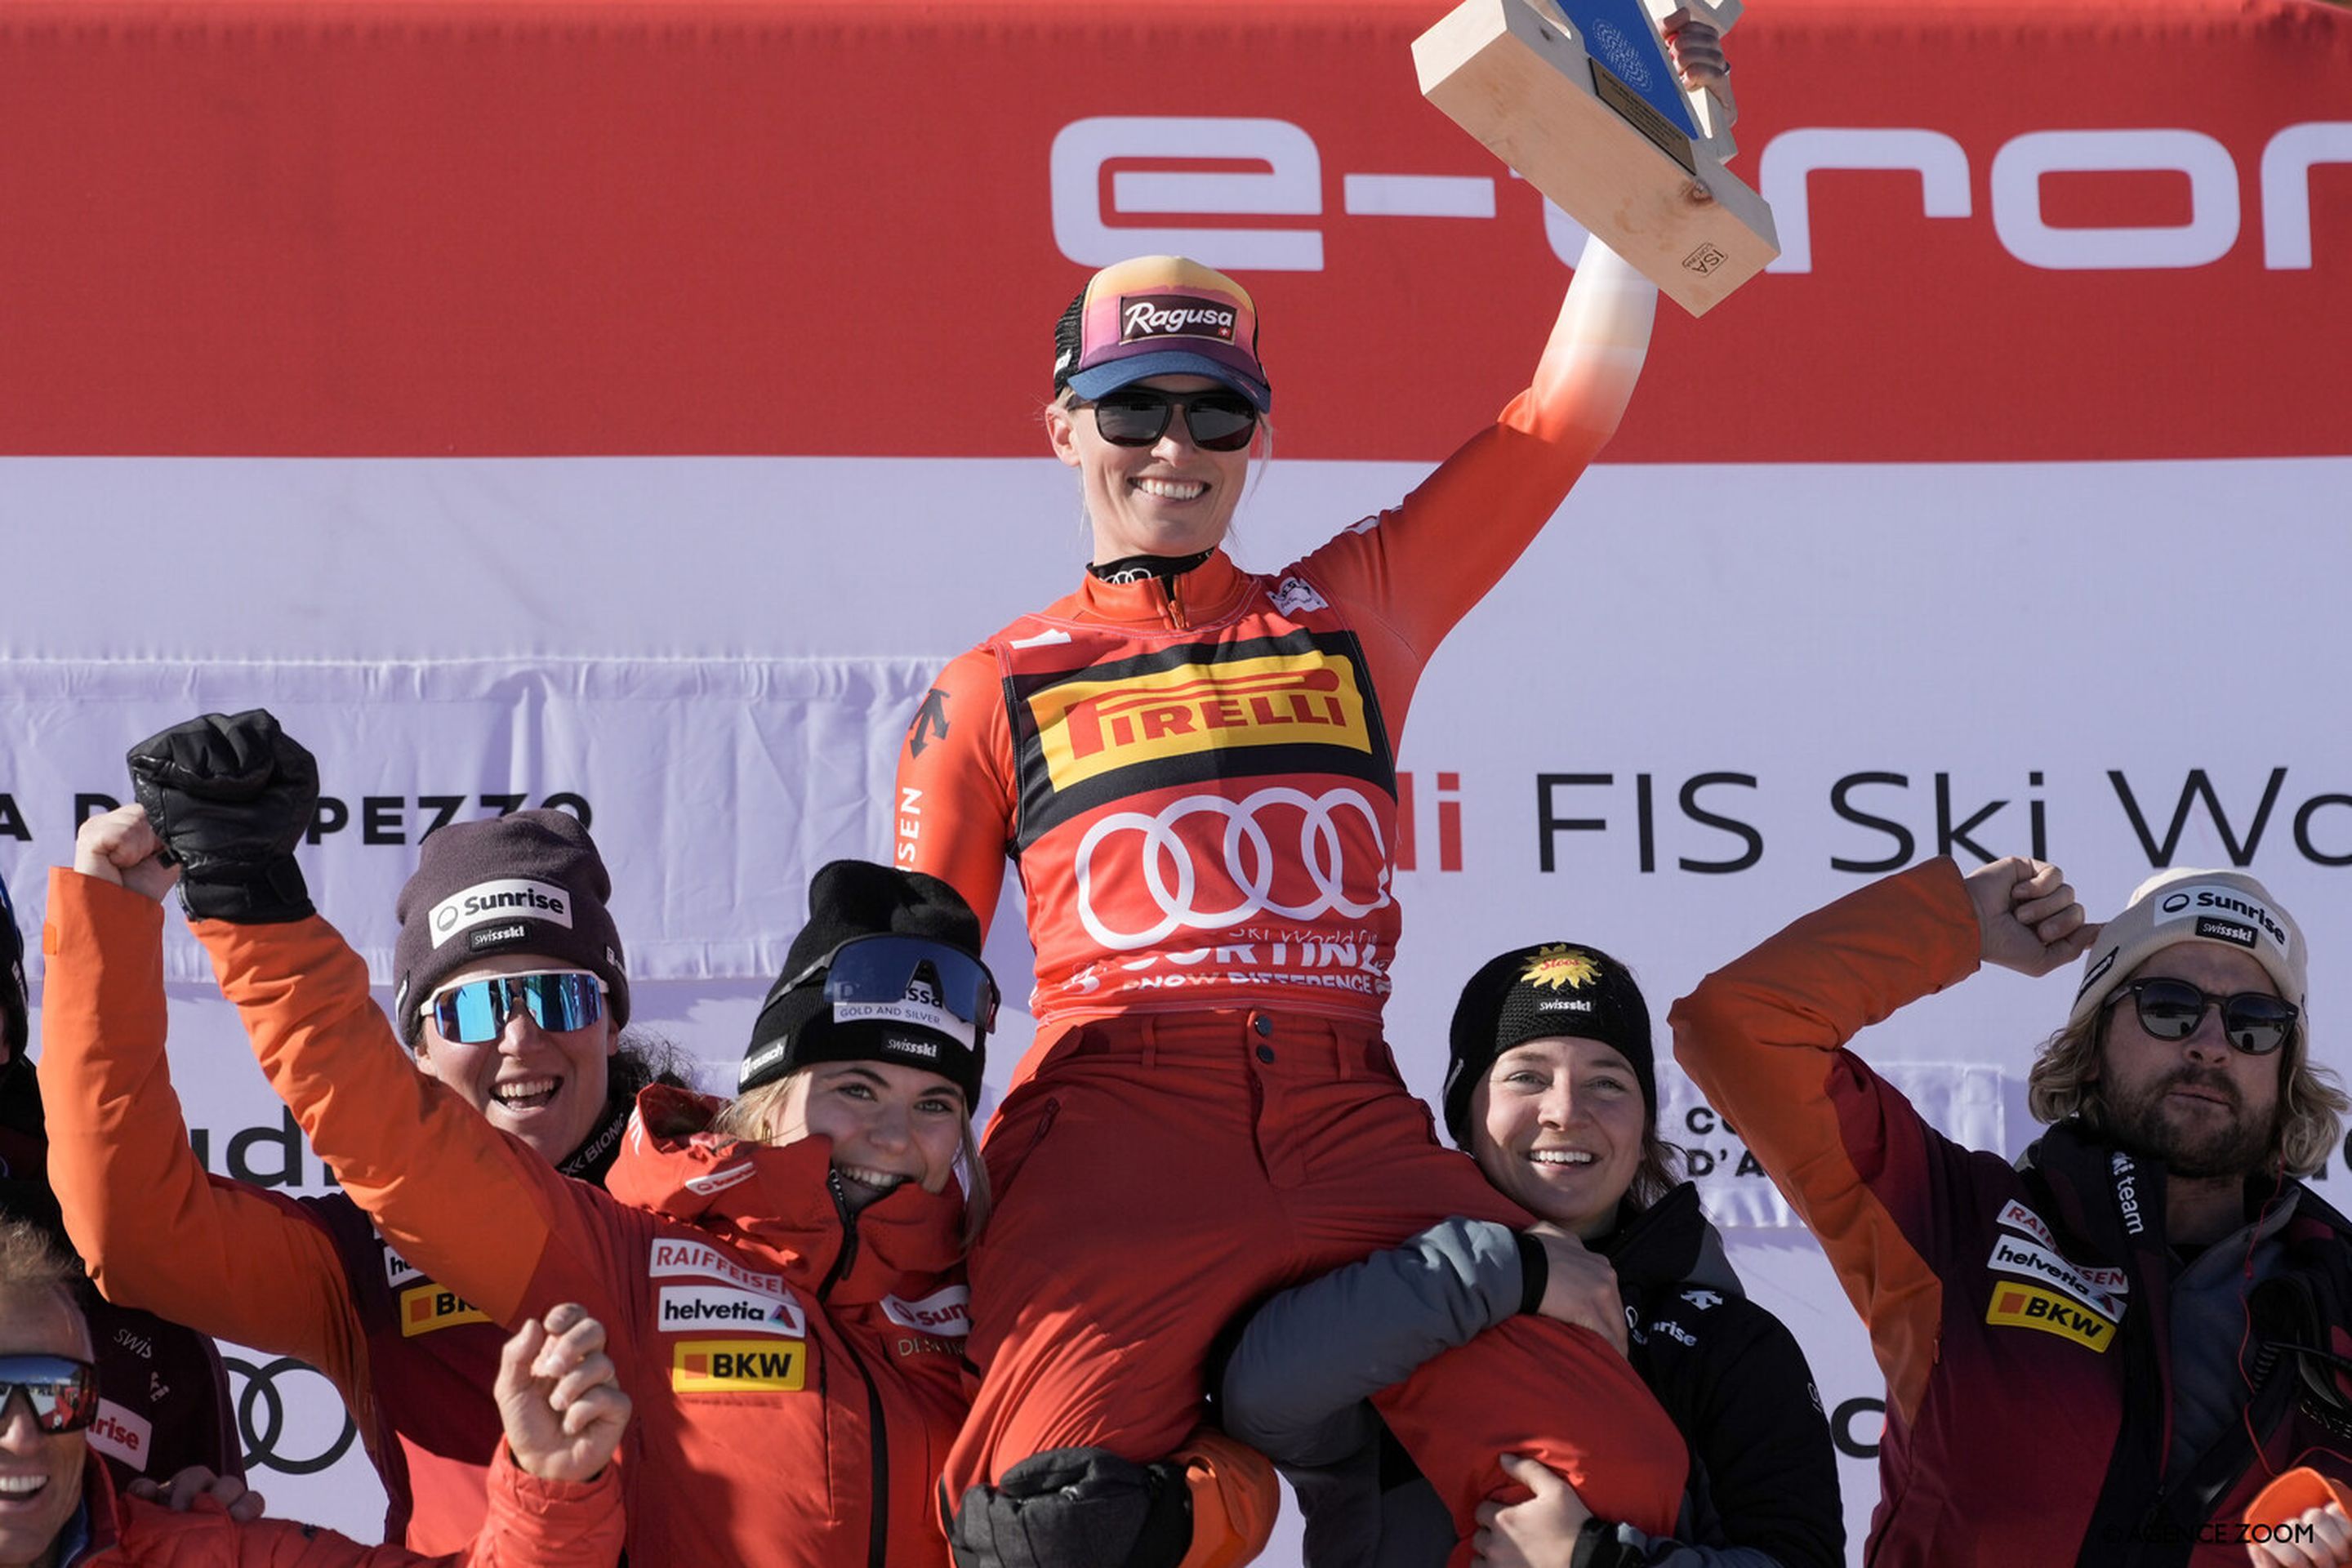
point(719, 656)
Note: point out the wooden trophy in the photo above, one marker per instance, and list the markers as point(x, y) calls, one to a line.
point(1580, 98)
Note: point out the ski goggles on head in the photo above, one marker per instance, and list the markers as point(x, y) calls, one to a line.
point(60, 1392)
point(907, 980)
point(475, 1012)
point(2254, 1021)
point(1137, 417)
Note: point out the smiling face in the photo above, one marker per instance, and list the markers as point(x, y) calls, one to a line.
point(1556, 1125)
point(2200, 1106)
point(40, 1472)
point(1168, 499)
point(889, 1125)
point(547, 1086)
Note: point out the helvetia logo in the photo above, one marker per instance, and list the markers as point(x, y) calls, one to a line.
point(683, 1308)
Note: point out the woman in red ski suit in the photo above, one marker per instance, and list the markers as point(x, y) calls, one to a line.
point(1193, 769)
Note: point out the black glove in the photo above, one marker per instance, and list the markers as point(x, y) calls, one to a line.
point(1076, 1508)
point(230, 797)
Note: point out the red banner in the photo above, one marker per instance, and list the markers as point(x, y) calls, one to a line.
point(2012, 232)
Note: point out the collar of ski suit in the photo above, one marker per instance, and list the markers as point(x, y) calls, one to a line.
point(1207, 593)
point(1670, 1243)
point(777, 1201)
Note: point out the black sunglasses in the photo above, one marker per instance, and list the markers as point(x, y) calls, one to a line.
point(2254, 1021)
point(60, 1392)
point(1138, 416)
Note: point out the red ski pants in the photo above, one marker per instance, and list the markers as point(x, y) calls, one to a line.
point(1157, 1175)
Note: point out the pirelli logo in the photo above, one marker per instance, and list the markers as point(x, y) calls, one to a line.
point(1087, 728)
point(427, 1306)
point(2032, 1307)
point(738, 1366)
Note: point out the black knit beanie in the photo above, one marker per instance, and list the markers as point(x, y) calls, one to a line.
point(530, 882)
point(850, 899)
point(1534, 992)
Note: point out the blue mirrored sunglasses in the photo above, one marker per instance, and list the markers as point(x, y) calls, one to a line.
point(909, 980)
point(60, 1392)
point(475, 1012)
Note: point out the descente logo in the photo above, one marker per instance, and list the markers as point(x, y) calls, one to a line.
point(504, 897)
point(1172, 316)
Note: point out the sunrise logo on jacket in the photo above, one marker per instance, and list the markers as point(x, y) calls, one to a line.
point(738, 1366)
point(946, 1312)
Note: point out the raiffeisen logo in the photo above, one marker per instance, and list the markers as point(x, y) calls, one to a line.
point(502, 899)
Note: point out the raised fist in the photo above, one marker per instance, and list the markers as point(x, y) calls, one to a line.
point(230, 796)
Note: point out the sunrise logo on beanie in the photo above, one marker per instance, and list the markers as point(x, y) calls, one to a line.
point(530, 882)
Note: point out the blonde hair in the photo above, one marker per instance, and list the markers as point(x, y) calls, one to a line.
point(2064, 1081)
point(756, 1116)
point(34, 1269)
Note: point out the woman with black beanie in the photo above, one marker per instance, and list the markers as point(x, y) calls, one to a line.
point(1553, 1091)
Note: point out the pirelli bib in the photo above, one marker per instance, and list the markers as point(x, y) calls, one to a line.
point(1198, 782)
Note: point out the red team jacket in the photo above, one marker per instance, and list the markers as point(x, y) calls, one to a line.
point(797, 1375)
point(308, 1279)
point(2019, 1311)
point(528, 1523)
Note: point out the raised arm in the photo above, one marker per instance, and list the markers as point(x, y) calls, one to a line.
point(554, 1492)
point(476, 1209)
point(224, 1258)
point(1765, 1039)
point(1435, 554)
point(952, 812)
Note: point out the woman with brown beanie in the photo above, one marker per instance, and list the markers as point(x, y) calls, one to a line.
point(311, 1278)
point(780, 1289)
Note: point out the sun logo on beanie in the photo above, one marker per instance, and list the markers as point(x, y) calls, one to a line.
point(1560, 965)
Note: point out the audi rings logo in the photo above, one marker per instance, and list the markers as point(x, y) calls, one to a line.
point(1618, 53)
point(272, 1441)
point(1348, 872)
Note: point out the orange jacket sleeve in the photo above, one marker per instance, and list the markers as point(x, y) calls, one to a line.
point(474, 1209)
point(1435, 554)
point(223, 1257)
point(1764, 1039)
point(953, 815)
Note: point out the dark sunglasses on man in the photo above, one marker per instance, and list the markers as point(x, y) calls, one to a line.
point(475, 1012)
point(2254, 1022)
point(1137, 417)
point(61, 1392)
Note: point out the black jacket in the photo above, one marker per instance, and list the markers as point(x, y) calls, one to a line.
point(1763, 1487)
